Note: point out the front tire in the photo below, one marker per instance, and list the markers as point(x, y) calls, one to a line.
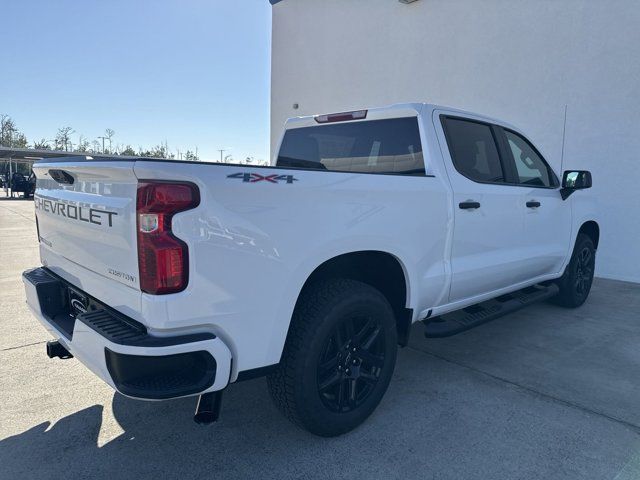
point(338, 359)
point(575, 283)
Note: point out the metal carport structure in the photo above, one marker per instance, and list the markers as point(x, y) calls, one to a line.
point(21, 160)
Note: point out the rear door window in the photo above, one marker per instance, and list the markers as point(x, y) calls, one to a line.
point(473, 150)
point(390, 146)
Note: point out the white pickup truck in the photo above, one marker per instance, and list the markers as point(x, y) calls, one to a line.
point(171, 279)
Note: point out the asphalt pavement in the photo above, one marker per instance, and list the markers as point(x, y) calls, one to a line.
point(542, 393)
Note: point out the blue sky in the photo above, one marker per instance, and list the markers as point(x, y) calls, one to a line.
point(191, 72)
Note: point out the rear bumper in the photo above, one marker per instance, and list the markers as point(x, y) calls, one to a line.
point(120, 351)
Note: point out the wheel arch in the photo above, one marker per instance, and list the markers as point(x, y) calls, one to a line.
point(381, 270)
point(592, 230)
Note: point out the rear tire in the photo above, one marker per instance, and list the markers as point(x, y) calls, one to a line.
point(575, 283)
point(338, 359)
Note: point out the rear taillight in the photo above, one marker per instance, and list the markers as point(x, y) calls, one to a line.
point(163, 259)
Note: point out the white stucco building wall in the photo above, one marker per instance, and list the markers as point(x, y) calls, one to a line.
point(518, 60)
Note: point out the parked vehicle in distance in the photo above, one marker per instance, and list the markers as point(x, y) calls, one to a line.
point(22, 184)
point(170, 279)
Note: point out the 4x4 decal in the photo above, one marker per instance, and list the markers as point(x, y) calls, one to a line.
point(252, 177)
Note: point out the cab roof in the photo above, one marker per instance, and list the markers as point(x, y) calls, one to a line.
point(396, 110)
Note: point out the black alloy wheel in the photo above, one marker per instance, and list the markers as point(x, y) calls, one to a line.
point(584, 271)
point(338, 359)
point(350, 364)
point(575, 283)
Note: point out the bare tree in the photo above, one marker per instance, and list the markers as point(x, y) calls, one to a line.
point(63, 138)
point(109, 133)
point(95, 146)
point(10, 136)
point(83, 144)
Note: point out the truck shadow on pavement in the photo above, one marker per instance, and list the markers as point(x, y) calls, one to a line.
point(438, 420)
point(160, 440)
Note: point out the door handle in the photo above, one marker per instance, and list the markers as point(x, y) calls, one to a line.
point(469, 205)
point(533, 204)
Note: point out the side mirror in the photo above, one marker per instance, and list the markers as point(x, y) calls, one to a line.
point(573, 180)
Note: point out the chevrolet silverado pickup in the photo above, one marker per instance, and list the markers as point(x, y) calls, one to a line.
point(170, 279)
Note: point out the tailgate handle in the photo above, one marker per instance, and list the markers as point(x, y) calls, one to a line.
point(61, 176)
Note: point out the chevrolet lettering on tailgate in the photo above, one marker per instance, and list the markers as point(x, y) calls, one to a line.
point(75, 212)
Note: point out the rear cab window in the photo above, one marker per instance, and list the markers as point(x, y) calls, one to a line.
point(474, 150)
point(389, 146)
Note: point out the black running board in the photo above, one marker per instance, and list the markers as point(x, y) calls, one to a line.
point(456, 322)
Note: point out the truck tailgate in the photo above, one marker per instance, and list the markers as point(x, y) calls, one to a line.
point(86, 217)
